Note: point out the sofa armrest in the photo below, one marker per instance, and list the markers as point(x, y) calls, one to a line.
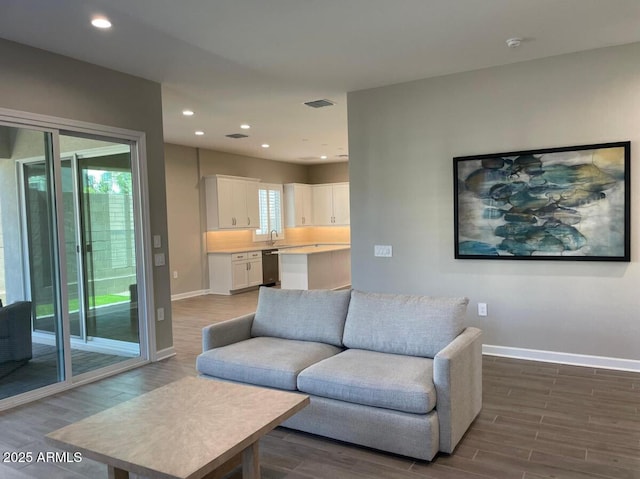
point(227, 332)
point(457, 375)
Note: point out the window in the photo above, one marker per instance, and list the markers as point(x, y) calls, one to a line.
point(271, 216)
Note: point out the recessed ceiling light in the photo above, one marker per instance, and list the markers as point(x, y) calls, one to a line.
point(188, 112)
point(199, 132)
point(265, 145)
point(101, 22)
point(245, 126)
point(323, 157)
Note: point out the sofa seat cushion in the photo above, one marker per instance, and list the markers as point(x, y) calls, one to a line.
point(264, 361)
point(401, 383)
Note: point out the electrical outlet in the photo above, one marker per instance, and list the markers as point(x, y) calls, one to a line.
point(383, 251)
point(482, 309)
point(175, 275)
point(160, 314)
point(157, 241)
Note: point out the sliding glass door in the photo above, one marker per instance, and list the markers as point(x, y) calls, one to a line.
point(101, 251)
point(29, 268)
point(70, 268)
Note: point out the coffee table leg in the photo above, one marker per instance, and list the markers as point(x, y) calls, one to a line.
point(117, 473)
point(251, 462)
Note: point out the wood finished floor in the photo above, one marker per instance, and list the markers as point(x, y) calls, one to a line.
point(539, 420)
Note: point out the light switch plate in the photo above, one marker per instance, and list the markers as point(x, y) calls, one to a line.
point(383, 250)
point(157, 241)
point(158, 259)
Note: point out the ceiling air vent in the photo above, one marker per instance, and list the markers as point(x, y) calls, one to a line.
point(319, 103)
point(237, 136)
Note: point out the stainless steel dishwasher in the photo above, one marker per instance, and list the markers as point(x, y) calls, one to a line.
point(269, 267)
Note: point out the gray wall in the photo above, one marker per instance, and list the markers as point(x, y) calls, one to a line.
point(401, 142)
point(219, 163)
point(11, 271)
point(183, 214)
point(328, 173)
point(36, 81)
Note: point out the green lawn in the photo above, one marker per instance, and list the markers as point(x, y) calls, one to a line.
point(47, 309)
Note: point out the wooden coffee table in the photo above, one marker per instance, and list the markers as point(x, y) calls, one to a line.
point(192, 428)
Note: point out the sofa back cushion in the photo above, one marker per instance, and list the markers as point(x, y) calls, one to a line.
point(403, 324)
point(314, 315)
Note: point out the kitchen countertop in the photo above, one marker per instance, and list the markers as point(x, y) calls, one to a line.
point(320, 248)
point(263, 247)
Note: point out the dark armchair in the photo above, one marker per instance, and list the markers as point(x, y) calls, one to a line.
point(15, 333)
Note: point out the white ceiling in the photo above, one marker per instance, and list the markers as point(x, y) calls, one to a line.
point(257, 61)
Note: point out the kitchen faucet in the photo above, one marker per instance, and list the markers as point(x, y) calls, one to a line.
point(271, 240)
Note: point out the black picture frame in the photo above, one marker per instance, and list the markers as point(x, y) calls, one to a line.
point(568, 203)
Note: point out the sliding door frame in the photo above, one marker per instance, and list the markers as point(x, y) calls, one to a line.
point(144, 261)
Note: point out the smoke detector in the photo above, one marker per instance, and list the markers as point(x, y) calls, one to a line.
point(514, 42)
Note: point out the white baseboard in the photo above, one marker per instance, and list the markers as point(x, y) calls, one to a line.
point(190, 294)
point(164, 354)
point(562, 358)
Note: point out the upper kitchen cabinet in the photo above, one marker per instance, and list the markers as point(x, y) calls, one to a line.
point(298, 208)
point(232, 202)
point(331, 204)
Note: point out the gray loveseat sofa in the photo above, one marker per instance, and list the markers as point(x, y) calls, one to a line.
point(393, 372)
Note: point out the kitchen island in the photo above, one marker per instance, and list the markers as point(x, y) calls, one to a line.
point(315, 267)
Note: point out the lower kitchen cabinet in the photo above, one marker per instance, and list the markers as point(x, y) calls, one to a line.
point(233, 272)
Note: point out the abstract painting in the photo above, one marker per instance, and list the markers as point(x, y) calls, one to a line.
point(569, 203)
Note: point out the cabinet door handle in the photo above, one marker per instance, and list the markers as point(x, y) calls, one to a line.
point(248, 266)
point(303, 220)
point(248, 220)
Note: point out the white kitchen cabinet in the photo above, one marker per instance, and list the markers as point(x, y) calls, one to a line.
point(232, 272)
point(341, 208)
point(331, 204)
point(298, 208)
point(322, 205)
point(254, 271)
point(232, 202)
